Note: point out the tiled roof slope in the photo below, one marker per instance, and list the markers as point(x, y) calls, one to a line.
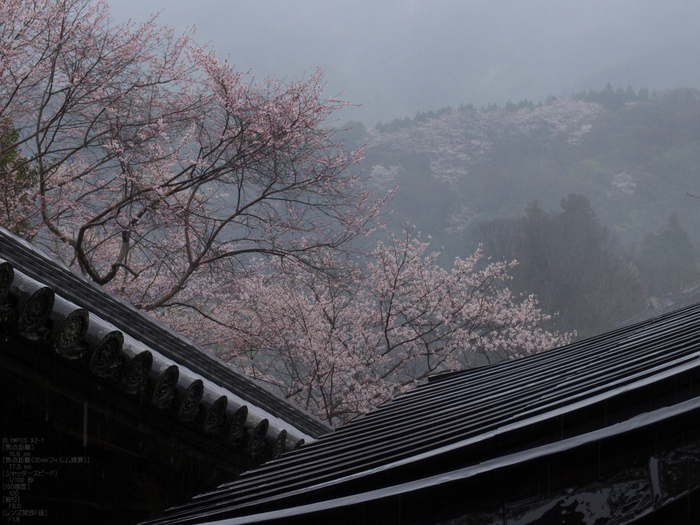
point(220, 378)
point(466, 424)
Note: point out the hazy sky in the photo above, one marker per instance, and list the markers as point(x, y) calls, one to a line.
point(395, 57)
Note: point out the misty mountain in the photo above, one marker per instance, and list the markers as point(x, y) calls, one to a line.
point(677, 65)
point(632, 155)
point(457, 167)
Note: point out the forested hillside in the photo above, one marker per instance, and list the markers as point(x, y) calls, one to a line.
point(625, 159)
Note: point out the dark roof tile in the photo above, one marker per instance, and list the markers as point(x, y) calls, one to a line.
point(468, 422)
point(84, 323)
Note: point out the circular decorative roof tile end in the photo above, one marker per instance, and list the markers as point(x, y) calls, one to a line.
point(7, 275)
point(280, 444)
point(235, 423)
point(189, 404)
point(70, 333)
point(214, 417)
point(34, 313)
point(258, 436)
point(136, 372)
point(106, 354)
point(165, 386)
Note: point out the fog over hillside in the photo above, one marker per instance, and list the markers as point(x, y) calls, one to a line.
point(570, 123)
point(395, 57)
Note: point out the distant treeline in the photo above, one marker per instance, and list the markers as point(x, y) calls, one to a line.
point(421, 116)
point(610, 98)
point(613, 99)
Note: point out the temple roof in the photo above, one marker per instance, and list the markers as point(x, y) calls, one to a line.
point(103, 338)
point(567, 423)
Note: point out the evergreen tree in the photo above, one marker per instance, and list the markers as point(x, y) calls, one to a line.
point(669, 259)
point(574, 267)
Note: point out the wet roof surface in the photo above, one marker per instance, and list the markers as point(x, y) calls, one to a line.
point(633, 376)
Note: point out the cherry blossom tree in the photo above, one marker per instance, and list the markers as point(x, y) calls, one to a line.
point(224, 206)
point(341, 346)
point(156, 162)
point(457, 149)
point(458, 139)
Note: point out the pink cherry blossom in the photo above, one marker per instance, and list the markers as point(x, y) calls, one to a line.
point(223, 205)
